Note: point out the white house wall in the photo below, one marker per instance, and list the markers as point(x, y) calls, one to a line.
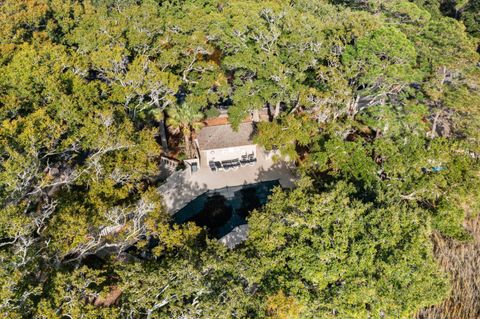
point(228, 153)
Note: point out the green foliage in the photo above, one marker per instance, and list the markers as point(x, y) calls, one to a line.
point(376, 102)
point(73, 294)
point(470, 17)
point(286, 134)
point(281, 306)
point(384, 58)
point(212, 113)
point(185, 119)
point(345, 256)
point(20, 19)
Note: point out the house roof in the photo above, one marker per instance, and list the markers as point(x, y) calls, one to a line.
point(238, 235)
point(223, 136)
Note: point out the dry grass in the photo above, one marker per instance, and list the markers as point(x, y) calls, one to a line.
point(462, 262)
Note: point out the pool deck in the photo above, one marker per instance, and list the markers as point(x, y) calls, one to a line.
point(184, 186)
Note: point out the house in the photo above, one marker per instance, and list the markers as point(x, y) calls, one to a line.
point(220, 147)
point(226, 162)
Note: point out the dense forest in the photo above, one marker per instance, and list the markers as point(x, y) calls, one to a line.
point(377, 102)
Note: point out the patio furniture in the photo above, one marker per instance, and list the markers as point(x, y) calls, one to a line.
point(248, 159)
point(226, 164)
point(244, 160)
point(212, 166)
point(236, 163)
point(231, 164)
point(219, 166)
point(251, 159)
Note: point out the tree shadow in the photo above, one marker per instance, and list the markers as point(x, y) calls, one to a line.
point(215, 213)
point(249, 201)
point(282, 171)
point(178, 190)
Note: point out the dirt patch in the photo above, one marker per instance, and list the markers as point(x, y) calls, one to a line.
point(109, 299)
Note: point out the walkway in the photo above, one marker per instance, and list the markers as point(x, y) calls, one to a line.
point(184, 186)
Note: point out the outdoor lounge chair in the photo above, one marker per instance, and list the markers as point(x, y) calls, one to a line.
point(226, 165)
point(212, 166)
point(251, 159)
point(235, 163)
point(243, 160)
point(219, 166)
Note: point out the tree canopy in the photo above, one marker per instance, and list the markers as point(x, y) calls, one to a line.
point(376, 102)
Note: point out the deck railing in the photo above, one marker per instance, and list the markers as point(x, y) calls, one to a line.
point(169, 162)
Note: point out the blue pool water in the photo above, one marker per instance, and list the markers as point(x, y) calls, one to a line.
point(222, 210)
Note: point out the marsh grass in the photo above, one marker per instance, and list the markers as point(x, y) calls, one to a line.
point(462, 262)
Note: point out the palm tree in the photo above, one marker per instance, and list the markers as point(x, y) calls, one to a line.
point(185, 119)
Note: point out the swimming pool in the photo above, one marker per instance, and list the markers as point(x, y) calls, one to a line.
point(221, 210)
